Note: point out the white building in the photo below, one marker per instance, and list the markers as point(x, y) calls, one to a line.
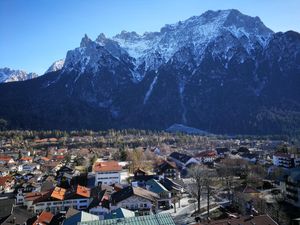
point(135, 199)
point(107, 172)
point(182, 160)
point(58, 200)
point(291, 187)
point(286, 160)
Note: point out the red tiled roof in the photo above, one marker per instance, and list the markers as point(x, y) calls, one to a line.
point(4, 179)
point(83, 191)
point(41, 140)
point(52, 139)
point(207, 154)
point(5, 158)
point(106, 166)
point(59, 193)
point(45, 158)
point(44, 218)
point(26, 158)
point(59, 156)
point(37, 196)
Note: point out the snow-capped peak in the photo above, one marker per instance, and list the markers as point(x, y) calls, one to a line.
point(197, 31)
point(152, 49)
point(9, 75)
point(57, 65)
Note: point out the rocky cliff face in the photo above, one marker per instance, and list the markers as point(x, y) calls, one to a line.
point(9, 75)
point(223, 72)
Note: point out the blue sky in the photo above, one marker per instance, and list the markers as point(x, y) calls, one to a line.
point(34, 33)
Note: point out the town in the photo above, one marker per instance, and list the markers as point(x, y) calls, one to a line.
point(147, 177)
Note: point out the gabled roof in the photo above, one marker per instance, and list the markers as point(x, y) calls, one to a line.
point(71, 212)
point(59, 193)
point(5, 158)
point(139, 170)
point(44, 218)
point(106, 166)
point(155, 186)
point(37, 196)
point(26, 158)
point(5, 179)
point(170, 184)
point(119, 213)
point(81, 216)
point(19, 215)
point(130, 191)
point(83, 191)
point(180, 157)
point(6, 206)
point(156, 219)
point(207, 153)
point(166, 165)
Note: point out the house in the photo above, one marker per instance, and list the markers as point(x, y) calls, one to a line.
point(156, 219)
point(44, 218)
point(22, 189)
point(222, 152)
point(4, 160)
point(26, 159)
point(119, 213)
point(168, 169)
point(286, 160)
point(141, 176)
point(245, 220)
point(28, 167)
point(208, 156)
point(164, 200)
point(136, 199)
point(19, 215)
point(6, 183)
point(6, 207)
point(78, 217)
point(58, 199)
point(182, 160)
point(175, 188)
point(4, 171)
point(140, 172)
point(100, 204)
point(290, 186)
point(250, 157)
point(108, 172)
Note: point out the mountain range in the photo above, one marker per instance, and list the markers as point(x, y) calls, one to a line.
point(222, 72)
point(9, 75)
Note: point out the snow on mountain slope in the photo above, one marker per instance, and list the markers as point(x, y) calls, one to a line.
point(196, 31)
point(229, 28)
point(57, 65)
point(9, 75)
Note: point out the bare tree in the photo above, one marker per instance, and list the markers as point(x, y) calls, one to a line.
point(197, 174)
point(209, 176)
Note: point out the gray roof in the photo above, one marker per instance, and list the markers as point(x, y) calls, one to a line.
point(20, 215)
point(156, 219)
point(6, 206)
point(119, 213)
point(80, 217)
